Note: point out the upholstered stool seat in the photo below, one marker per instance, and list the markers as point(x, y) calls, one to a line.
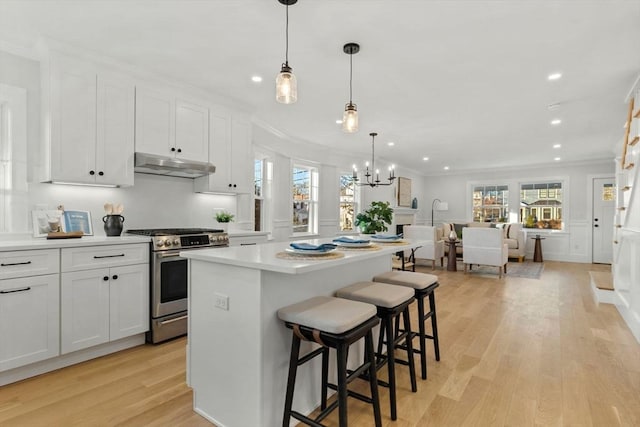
point(332, 323)
point(424, 285)
point(390, 301)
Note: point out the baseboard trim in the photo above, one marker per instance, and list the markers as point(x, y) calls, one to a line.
point(631, 318)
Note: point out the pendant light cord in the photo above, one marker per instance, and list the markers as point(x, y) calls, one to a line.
point(350, 77)
point(286, 53)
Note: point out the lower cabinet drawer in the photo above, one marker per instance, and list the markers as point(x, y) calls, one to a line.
point(86, 258)
point(29, 263)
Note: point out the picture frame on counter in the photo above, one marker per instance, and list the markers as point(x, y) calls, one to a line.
point(45, 221)
point(77, 221)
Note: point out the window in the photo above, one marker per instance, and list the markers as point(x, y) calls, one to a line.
point(305, 199)
point(348, 203)
point(608, 193)
point(490, 203)
point(541, 205)
point(258, 190)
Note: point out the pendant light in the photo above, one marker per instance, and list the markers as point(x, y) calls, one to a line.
point(350, 116)
point(286, 85)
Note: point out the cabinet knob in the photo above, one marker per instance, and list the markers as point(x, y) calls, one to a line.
point(234, 186)
point(173, 149)
point(101, 173)
point(115, 277)
point(179, 150)
point(105, 278)
point(230, 185)
point(92, 172)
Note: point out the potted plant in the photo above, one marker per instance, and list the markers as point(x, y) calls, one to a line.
point(224, 218)
point(376, 218)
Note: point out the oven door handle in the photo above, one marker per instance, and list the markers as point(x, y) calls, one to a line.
point(166, 322)
point(168, 254)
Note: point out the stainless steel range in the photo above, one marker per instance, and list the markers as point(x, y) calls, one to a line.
point(169, 278)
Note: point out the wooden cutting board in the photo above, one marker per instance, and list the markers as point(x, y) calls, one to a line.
point(63, 235)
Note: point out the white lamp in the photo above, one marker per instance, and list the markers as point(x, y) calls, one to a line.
point(439, 206)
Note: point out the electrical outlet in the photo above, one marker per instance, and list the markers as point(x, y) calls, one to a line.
point(221, 301)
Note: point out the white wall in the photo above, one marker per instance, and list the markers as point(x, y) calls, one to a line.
point(573, 244)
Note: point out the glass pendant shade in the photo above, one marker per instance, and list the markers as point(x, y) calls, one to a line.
point(350, 118)
point(286, 86)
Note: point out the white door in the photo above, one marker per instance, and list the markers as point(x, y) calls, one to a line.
point(604, 199)
point(129, 300)
point(84, 307)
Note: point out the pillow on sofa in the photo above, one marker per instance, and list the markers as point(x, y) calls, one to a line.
point(511, 230)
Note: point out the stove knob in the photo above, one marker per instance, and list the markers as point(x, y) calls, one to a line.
point(160, 243)
point(167, 243)
point(176, 242)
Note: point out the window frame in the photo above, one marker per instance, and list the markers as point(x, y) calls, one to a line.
point(355, 201)
point(504, 207)
point(559, 209)
point(313, 202)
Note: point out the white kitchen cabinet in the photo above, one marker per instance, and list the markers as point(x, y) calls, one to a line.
point(171, 127)
point(230, 152)
point(89, 137)
point(104, 294)
point(29, 320)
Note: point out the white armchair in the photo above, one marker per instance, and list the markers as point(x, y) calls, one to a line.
point(485, 246)
point(432, 249)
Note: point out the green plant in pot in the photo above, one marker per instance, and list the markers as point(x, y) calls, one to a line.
point(376, 218)
point(224, 218)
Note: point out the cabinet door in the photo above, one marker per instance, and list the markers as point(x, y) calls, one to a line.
point(192, 131)
point(155, 122)
point(219, 155)
point(241, 158)
point(29, 320)
point(73, 121)
point(129, 301)
point(115, 130)
point(84, 310)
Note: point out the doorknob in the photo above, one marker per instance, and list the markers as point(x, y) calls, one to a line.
point(596, 225)
point(595, 219)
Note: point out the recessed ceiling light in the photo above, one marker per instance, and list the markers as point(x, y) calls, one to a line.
point(256, 79)
point(556, 159)
point(446, 168)
point(425, 158)
point(556, 122)
point(338, 122)
point(557, 145)
point(554, 76)
point(391, 144)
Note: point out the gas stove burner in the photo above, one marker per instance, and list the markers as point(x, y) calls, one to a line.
point(173, 231)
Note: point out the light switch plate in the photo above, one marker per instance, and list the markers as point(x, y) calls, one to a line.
point(221, 301)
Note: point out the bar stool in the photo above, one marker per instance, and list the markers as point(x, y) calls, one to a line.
point(332, 323)
point(390, 302)
point(424, 286)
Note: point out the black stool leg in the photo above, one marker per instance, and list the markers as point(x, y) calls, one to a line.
point(408, 341)
point(391, 365)
point(291, 381)
point(434, 324)
point(342, 384)
point(325, 375)
point(423, 339)
point(373, 380)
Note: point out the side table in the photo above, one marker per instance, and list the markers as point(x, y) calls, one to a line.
point(537, 251)
point(452, 259)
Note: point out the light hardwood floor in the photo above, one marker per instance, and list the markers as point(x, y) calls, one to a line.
point(515, 352)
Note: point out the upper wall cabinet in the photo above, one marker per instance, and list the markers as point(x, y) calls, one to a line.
point(88, 124)
point(171, 127)
point(230, 152)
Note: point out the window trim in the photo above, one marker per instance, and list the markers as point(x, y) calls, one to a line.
point(314, 190)
point(565, 207)
point(356, 203)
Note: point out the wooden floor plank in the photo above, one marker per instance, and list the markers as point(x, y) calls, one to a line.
point(515, 352)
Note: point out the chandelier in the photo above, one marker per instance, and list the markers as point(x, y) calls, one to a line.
point(368, 175)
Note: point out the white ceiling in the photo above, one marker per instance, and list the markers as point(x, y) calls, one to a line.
point(462, 82)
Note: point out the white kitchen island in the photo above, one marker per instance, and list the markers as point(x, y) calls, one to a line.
point(237, 359)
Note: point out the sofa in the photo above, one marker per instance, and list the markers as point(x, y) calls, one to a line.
point(514, 236)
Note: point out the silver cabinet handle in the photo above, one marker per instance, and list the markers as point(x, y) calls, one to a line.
point(165, 322)
point(11, 291)
point(15, 263)
point(248, 244)
point(107, 256)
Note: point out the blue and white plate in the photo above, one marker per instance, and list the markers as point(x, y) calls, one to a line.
point(311, 252)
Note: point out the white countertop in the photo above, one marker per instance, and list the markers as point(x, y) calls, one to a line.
point(263, 257)
point(22, 244)
point(246, 233)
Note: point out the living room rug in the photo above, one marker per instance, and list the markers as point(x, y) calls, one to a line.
point(526, 269)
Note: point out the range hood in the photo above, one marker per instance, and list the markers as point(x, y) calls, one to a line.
point(160, 165)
